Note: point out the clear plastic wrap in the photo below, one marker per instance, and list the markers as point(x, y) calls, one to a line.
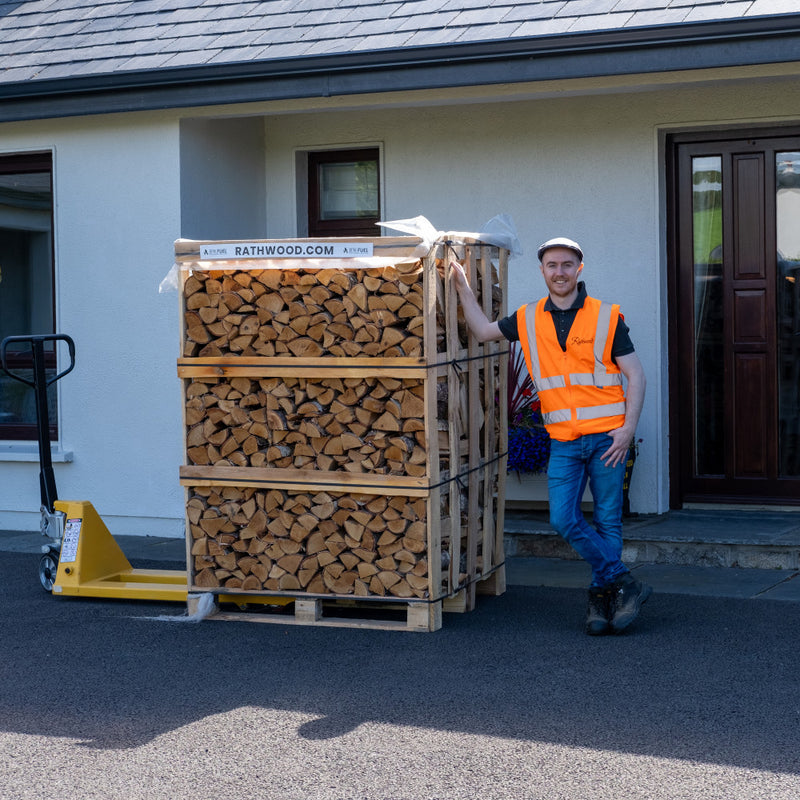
point(499, 231)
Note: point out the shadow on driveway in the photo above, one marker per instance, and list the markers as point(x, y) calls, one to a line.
point(704, 679)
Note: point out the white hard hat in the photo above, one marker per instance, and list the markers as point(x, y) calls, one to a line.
point(561, 241)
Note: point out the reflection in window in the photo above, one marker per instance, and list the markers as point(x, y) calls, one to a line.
point(344, 192)
point(349, 190)
point(708, 299)
point(787, 221)
point(26, 281)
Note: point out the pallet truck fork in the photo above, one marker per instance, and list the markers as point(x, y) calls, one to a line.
point(81, 557)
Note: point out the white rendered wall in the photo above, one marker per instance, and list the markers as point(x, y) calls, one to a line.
point(222, 178)
point(117, 210)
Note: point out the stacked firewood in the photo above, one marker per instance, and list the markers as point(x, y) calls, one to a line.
point(244, 331)
point(374, 425)
point(305, 313)
point(317, 542)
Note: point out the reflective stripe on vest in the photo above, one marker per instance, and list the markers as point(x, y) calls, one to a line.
point(601, 376)
point(562, 415)
point(595, 412)
point(590, 412)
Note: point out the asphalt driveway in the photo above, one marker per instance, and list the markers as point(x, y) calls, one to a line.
point(699, 699)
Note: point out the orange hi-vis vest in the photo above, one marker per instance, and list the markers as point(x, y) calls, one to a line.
point(581, 389)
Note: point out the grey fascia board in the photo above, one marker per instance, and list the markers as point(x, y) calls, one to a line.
point(745, 41)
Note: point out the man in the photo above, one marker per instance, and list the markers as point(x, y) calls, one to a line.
point(577, 349)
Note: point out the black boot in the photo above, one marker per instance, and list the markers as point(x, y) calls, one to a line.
point(627, 597)
point(598, 614)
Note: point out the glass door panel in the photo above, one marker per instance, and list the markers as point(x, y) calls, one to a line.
point(787, 224)
point(708, 315)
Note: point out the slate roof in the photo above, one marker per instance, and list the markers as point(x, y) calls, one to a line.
point(48, 39)
point(47, 44)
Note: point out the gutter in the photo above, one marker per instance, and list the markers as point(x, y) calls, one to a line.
point(663, 48)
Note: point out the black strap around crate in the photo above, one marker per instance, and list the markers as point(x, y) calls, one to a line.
point(456, 362)
point(461, 475)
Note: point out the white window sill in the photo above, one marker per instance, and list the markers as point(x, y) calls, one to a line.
point(28, 451)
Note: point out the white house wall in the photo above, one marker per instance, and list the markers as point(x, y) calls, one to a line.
point(590, 167)
point(117, 211)
point(222, 178)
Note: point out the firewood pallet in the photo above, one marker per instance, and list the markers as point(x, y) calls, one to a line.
point(343, 432)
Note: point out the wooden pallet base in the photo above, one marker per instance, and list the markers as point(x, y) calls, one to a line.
point(350, 613)
point(413, 616)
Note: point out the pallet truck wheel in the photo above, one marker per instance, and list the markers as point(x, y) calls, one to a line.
point(48, 567)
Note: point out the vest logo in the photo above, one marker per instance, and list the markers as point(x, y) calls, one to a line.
point(577, 341)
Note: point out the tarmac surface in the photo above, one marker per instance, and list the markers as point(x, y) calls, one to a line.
point(698, 700)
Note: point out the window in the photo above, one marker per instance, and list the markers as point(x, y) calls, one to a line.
point(26, 283)
point(343, 193)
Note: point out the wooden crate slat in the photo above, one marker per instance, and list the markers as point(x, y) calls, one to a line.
point(503, 417)
point(490, 430)
point(454, 432)
point(434, 532)
point(303, 479)
point(474, 425)
point(231, 367)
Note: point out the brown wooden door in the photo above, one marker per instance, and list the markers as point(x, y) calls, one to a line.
point(735, 319)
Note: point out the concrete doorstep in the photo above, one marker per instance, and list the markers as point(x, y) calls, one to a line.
point(741, 554)
point(746, 539)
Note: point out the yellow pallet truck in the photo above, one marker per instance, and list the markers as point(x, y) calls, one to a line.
point(81, 557)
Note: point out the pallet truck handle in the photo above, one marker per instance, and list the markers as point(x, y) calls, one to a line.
point(47, 481)
point(37, 344)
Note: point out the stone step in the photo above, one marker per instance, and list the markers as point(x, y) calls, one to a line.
point(754, 539)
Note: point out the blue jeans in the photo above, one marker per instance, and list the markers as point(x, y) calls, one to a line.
point(571, 465)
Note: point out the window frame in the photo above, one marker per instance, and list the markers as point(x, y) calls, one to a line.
point(349, 226)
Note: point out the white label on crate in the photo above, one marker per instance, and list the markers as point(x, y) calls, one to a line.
point(286, 250)
point(72, 534)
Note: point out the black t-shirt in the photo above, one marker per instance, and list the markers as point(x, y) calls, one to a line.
point(563, 319)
